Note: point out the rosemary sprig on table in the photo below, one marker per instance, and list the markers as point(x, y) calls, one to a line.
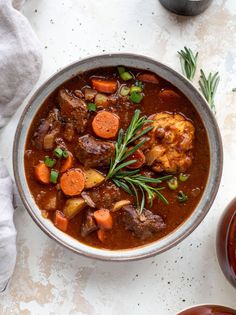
point(132, 181)
point(188, 62)
point(208, 86)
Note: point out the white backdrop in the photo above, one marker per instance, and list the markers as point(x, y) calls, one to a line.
point(50, 279)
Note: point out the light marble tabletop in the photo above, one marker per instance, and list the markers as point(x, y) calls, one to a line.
point(49, 279)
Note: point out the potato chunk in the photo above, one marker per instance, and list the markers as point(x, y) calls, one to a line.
point(73, 206)
point(93, 178)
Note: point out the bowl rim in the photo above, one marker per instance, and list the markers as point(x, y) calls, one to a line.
point(204, 305)
point(132, 253)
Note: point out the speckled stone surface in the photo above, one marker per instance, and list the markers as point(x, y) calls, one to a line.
point(49, 279)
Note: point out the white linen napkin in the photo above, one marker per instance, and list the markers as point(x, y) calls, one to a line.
point(20, 66)
point(7, 229)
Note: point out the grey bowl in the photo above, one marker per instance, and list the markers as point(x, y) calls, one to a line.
point(214, 138)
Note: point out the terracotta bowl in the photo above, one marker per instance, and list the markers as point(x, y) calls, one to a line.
point(208, 310)
point(226, 242)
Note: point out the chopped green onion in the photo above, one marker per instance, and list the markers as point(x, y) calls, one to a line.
point(139, 83)
point(124, 91)
point(137, 89)
point(58, 152)
point(182, 197)
point(183, 177)
point(65, 154)
point(91, 107)
point(121, 69)
point(49, 162)
point(126, 76)
point(173, 183)
point(54, 176)
point(136, 97)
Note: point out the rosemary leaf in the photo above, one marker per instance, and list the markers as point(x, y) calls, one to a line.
point(122, 185)
point(188, 62)
point(122, 165)
point(142, 204)
point(162, 197)
point(208, 86)
point(137, 197)
point(142, 133)
point(135, 148)
point(126, 173)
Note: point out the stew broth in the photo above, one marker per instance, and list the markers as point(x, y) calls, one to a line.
point(173, 214)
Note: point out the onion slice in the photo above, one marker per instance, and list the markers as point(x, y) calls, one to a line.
point(88, 199)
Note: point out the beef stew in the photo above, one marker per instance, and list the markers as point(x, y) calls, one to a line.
point(98, 187)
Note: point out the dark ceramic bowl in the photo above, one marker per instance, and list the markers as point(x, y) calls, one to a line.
point(186, 7)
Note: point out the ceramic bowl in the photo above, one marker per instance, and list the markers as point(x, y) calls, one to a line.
point(186, 7)
point(226, 242)
point(208, 310)
point(135, 61)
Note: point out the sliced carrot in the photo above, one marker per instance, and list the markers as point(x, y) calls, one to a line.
point(139, 157)
point(103, 219)
point(72, 182)
point(106, 124)
point(104, 86)
point(148, 77)
point(67, 164)
point(101, 235)
point(168, 93)
point(42, 173)
point(60, 221)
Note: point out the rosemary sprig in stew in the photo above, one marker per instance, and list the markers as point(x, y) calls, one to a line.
point(132, 134)
point(208, 86)
point(188, 62)
point(139, 186)
point(132, 181)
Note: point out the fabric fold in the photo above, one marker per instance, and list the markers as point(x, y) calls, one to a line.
point(20, 67)
point(7, 229)
point(20, 59)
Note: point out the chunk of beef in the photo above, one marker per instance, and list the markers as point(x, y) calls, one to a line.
point(73, 109)
point(47, 131)
point(60, 143)
point(88, 225)
point(105, 195)
point(94, 153)
point(79, 94)
point(144, 225)
point(69, 131)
